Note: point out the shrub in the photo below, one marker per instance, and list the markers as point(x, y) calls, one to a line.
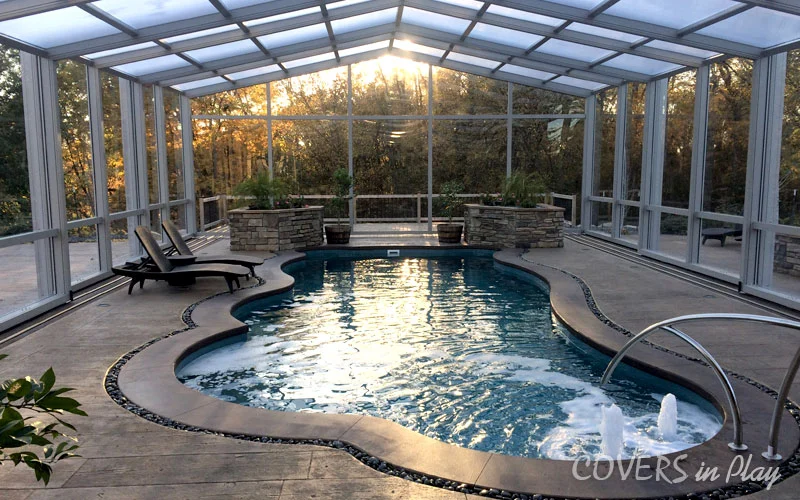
point(342, 183)
point(268, 194)
point(521, 190)
point(449, 200)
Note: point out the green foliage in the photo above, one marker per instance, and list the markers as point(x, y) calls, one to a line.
point(449, 200)
point(520, 190)
point(267, 193)
point(342, 183)
point(36, 444)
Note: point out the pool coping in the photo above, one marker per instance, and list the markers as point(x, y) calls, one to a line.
point(146, 379)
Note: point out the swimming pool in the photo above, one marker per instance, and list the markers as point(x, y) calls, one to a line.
point(457, 348)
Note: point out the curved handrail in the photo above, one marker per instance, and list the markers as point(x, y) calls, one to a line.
point(668, 325)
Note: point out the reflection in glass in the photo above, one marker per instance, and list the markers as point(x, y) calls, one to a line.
point(112, 122)
point(307, 152)
point(390, 86)
point(472, 152)
point(678, 142)
point(552, 149)
point(630, 223)
point(601, 217)
point(15, 201)
point(533, 101)
point(19, 287)
point(634, 130)
point(786, 265)
point(120, 249)
point(150, 141)
point(789, 181)
point(322, 93)
point(458, 93)
point(605, 133)
point(674, 240)
point(721, 246)
point(172, 112)
point(84, 253)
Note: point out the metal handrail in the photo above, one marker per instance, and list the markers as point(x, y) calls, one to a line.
point(668, 325)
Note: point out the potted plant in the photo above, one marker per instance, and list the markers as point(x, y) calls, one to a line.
point(262, 192)
point(339, 234)
point(450, 203)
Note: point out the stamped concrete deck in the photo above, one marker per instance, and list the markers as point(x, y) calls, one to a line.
point(127, 457)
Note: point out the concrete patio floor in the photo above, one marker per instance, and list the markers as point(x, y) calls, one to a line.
point(124, 456)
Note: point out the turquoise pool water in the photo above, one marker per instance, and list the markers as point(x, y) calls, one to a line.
point(459, 349)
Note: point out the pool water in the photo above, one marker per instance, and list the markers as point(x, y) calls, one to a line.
point(458, 349)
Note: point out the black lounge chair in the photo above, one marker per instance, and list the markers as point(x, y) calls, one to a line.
point(158, 267)
point(721, 233)
point(185, 252)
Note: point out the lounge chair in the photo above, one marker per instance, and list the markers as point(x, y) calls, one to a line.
point(721, 233)
point(159, 267)
point(185, 252)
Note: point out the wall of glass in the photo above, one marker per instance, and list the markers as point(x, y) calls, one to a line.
point(404, 129)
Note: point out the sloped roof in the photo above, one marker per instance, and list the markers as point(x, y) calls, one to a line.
point(572, 46)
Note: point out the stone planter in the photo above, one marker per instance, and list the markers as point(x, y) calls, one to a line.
point(275, 230)
point(513, 227)
point(787, 255)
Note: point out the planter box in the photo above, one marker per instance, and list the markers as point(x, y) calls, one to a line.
point(275, 230)
point(513, 227)
point(787, 255)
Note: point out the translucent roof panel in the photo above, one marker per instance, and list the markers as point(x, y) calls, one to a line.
point(286, 15)
point(504, 36)
point(363, 21)
point(155, 65)
point(224, 51)
point(526, 72)
point(638, 64)
point(198, 34)
point(121, 50)
point(582, 4)
point(571, 50)
point(760, 27)
point(344, 3)
point(475, 61)
point(143, 13)
point(415, 47)
point(469, 4)
point(238, 4)
point(524, 16)
point(434, 21)
point(199, 83)
point(681, 49)
point(364, 48)
point(241, 75)
point(48, 29)
point(329, 56)
point(577, 82)
point(298, 35)
point(673, 14)
point(606, 33)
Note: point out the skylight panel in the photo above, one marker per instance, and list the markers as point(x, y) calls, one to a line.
point(328, 56)
point(223, 51)
point(571, 50)
point(198, 34)
point(605, 33)
point(681, 49)
point(297, 35)
point(415, 47)
point(475, 61)
point(238, 4)
point(434, 21)
point(673, 14)
point(286, 15)
point(526, 72)
point(120, 50)
point(344, 3)
point(56, 27)
point(216, 80)
point(504, 36)
point(354, 23)
point(468, 4)
point(144, 13)
point(250, 73)
point(524, 16)
point(758, 26)
point(155, 65)
point(639, 64)
point(364, 48)
point(577, 82)
point(581, 4)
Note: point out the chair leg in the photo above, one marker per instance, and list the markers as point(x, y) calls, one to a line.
point(238, 285)
point(141, 284)
point(229, 281)
point(131, 285)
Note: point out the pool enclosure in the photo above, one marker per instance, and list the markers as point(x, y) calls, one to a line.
point(670, 121)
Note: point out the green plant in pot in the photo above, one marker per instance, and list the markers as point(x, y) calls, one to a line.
point(522, 190)
point(450, 204)
point(263, 192)
point(339, 234)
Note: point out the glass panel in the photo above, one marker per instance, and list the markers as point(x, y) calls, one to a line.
point(678, 143)
point(683, 49)
point(199, 83)
point(504, 36)
point(728, 135)
point(432, 20)
point(577, 82)
point(76, 148)
point(785, 265)
point(120, 246)
point(177, 215)
point(607, 33)
point(112, 139)
point(226, 152)
point(721, 246)
point(307, 152)
point(673, 14)
point(224, 51)
point(289, 15)
point(174, 130)
point(630, 223)
point(155, 224)
point(121, 50)
point(533, 101)
point(571, 50)
point(296, 63)
point(600, 218)
point(19, 288)
point(474, 61)
point(239, 102)
point(527, 72)
point(289, 37)
point(389, 86)
point(524, 16)
point(321, 93)
point(363, 48)
point(757, 26)
point(415, 47)
point(469, 4)
point(150, 141)
point(459, 93)
point(674, 239)
point(249, 73)
point(154, 65)
point(198, 34)
point(472, 152)
point(634, 131)
point(605, 133)
point(84, 253)
point(390, 156)
point(789, 182)
point(47, 29)
point(638, 64)
point(363, 21)
point(146, 13)
point(553, 149)
point(15, 197)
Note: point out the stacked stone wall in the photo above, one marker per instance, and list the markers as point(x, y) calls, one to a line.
point(275, 230)
point(512, 227)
